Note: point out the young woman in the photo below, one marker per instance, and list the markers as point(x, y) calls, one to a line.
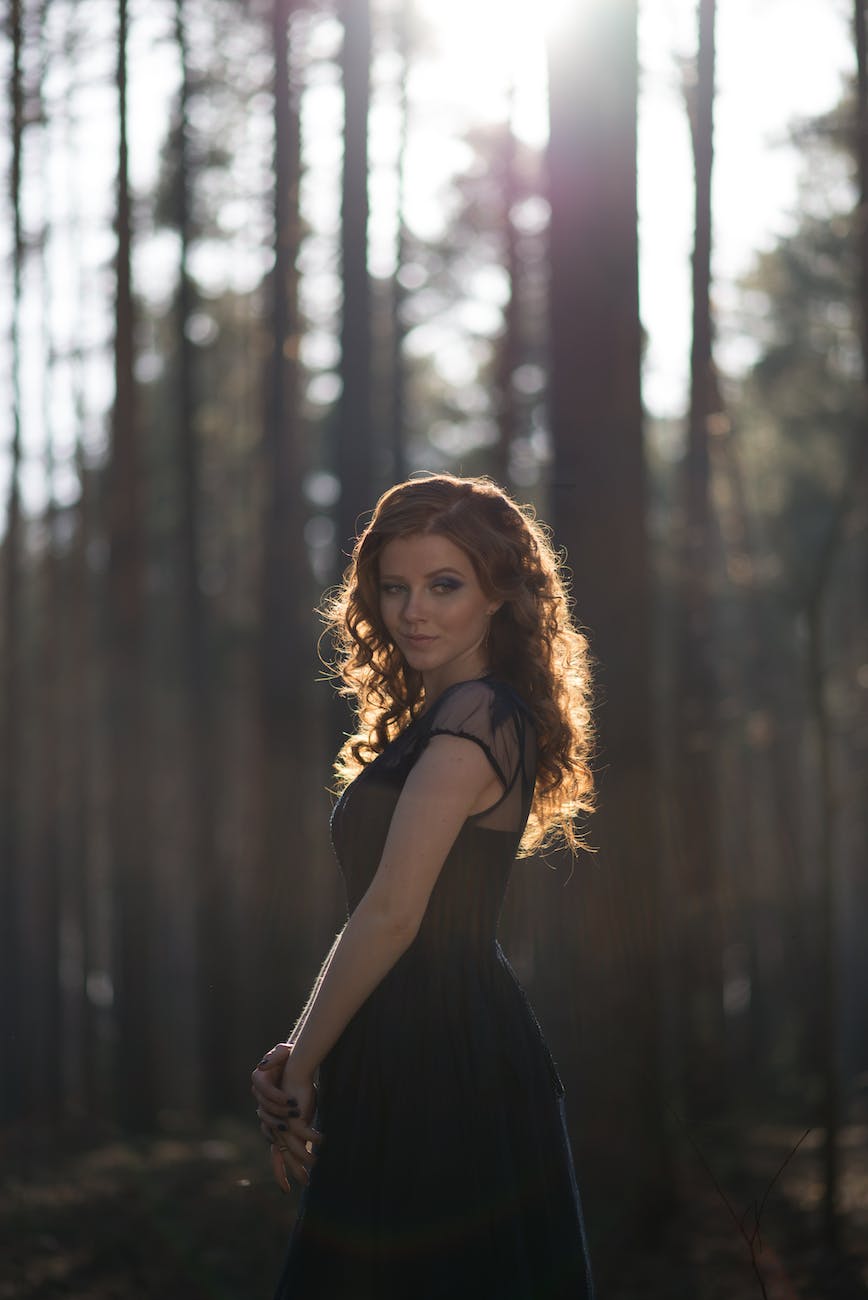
point(416, 1100)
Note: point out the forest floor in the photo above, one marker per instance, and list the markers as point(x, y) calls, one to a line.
point(182, 1217)
point(709, 1249)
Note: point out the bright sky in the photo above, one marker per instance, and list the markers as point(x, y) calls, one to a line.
point(777, 60)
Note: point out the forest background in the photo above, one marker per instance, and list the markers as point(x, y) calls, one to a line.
point(328, 285)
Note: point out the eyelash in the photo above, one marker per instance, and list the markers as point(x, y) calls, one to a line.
point(388, 588)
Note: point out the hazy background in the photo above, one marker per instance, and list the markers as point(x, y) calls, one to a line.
point(259, 261)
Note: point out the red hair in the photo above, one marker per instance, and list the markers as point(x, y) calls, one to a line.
point(532, 644)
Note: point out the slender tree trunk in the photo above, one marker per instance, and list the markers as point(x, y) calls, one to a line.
point(354, 433)
point(354, 451)
point(830, 995)
point(509, 345)
point(80, 1031)
point(82, 650)
point(862, 159)
point(701, 944)
point(13, 1025)
point(134, 917)
point(858, 480)
point(287, 655)
point(213, 941)
point(51, 666)
point(772, 863)
point(404, 18)
point(609, 927)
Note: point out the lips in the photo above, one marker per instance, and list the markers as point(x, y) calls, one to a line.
point(419, 640)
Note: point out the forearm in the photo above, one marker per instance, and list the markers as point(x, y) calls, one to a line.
point(299, 1024)
point(365, 951)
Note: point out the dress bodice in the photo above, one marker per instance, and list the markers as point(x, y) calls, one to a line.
point(467, 898)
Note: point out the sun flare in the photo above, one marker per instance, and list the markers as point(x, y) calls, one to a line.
point(492, 53)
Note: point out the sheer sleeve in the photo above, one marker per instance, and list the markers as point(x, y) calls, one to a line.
point(492, 717)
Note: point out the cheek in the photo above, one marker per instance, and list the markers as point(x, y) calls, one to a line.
point(466, 614)
point(387, 613)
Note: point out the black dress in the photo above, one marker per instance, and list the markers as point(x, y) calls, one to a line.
point(446, 1169)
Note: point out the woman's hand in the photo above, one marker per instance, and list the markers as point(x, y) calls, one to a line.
point(286, 1105)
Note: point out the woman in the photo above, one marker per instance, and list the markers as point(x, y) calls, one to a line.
point(432, 1148)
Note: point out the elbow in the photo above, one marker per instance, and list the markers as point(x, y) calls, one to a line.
point(395, 922)
point(404, 928)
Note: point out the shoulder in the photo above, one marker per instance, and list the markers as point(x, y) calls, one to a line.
point(482, 700)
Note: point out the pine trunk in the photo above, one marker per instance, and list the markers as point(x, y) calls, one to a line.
point(609, 926)
point(13, 1091)
point(128, 736)
point(700, 941)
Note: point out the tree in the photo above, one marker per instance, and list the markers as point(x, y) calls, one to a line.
point(12, 1092)
point(134, 920)
point(598, 506)
point(404, 34)
point(700, 938)
point(285, 713)
point(354, 432)
point(806, 397)
point(212, 929)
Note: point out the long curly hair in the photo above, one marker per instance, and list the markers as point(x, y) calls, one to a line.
point(533, 643)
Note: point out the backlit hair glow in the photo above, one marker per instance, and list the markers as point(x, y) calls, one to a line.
point(533, 643)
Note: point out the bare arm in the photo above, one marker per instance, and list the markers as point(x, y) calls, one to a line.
point(441, 790)
point(299, 1024)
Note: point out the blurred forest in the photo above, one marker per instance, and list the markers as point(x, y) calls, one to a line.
point(209, 381)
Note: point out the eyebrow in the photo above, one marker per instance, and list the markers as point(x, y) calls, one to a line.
point(384, 577)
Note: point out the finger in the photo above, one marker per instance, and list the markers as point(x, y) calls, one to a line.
point(279, 1169)
point(297, 1150)
point(273, 1125)
point(303, 1130)
point(295, 1166)
point(275, 1109)
point(277, 1123)
point(265, 1091)
point(274, 1057)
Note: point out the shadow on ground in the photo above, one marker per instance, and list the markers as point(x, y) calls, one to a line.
point(197, 1216)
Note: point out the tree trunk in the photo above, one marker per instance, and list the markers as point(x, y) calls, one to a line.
point(49, 637)
point(404, 17)
point(700, 943)
point(354, 434)
point(509, 344)
point(213, 940)
point(12, 1028)
point(598, 505)
point(862, 160)
point(287, 656)
point(128, 742)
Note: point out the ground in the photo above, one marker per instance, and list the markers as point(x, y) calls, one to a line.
point(195, 1217)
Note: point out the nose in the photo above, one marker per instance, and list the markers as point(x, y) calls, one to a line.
point(414, 607)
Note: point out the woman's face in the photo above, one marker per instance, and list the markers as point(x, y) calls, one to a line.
point(434, 608)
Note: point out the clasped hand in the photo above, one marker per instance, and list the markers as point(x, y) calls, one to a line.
point(285, 1106)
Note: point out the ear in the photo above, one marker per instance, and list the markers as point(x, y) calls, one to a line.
point(492, 609)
